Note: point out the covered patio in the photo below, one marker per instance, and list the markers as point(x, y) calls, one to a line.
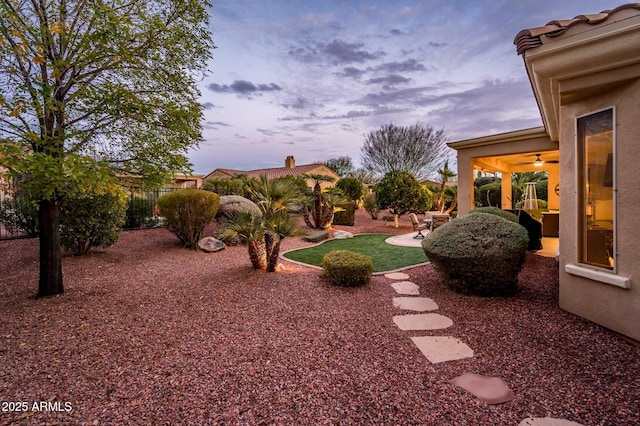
point(505, 153)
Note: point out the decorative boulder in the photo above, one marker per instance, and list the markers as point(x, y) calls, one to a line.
point(210, 244)
point(236, 203)
point(316, 237)
point(342, 234)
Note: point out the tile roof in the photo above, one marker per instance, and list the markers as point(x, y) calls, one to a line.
point(275, 172)
point(531, 38)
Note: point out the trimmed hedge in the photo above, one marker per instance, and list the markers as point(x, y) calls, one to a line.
point(496, 211)
point(345, 268)
point(347, 216)
point(187, 212)
point(479, 254)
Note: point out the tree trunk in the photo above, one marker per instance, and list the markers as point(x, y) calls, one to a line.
point(50, 253)
point(272, 261)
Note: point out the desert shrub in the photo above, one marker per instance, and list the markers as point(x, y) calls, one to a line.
point(139, 213)
point(345, 268)
point(490, 194)
point(351, 187)
point(19, 215)
point(479, 254)
point(371, 206)
point(496, 211)
point(187, 212)
point(347, 215)
point(92, 217)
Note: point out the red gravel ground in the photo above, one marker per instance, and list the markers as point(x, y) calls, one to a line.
point(151, 333)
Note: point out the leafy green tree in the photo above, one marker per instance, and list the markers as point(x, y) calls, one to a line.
point(342, 166)
point(401, 193)
point(96, 88)
point(415, 149)
point(351, 187)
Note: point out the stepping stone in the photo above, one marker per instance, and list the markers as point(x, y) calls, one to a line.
point(442, 348)
point(339, 235)
point(422, 322)
point(547, 421)
point(491, 390)
point(419, 304)
point(397, 276)
point(406, 287)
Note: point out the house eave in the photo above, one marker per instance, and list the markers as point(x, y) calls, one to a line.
point(603, 48)
point(516, 135)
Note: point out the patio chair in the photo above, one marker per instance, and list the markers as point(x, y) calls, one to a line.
point(428, 219)
point(439, 220)
point(417, 226)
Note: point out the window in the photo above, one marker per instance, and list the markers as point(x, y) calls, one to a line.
point(596, 195)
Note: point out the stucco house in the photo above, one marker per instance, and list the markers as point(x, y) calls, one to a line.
point(585, 75)
point(290, 169)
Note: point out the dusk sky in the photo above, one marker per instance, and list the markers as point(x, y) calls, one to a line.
point(312, 78)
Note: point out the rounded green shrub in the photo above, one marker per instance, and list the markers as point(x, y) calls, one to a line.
point(497, 212)
point(345, 268)
point(92, 217)
point(187, 212)
point(371, 206)
point(479, 254)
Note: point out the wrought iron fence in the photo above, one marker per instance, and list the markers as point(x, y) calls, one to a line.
point(18, 215)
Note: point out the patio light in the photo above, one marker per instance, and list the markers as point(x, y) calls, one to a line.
point(538, 161)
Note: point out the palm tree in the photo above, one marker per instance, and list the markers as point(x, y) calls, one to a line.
point(249, 228)
point(278, 227)
point(264, 233)
point(445, 174)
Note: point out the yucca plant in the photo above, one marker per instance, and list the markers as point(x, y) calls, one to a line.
point(322, 210)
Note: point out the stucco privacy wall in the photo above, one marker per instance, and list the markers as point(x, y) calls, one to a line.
point(613, 307)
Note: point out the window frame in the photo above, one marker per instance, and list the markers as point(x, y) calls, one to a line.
point(580, 194)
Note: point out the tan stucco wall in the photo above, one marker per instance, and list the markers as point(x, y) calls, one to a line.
point(613, 307)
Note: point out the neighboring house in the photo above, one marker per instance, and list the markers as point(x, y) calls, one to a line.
point(183, 181)
point(289, 169)
point(585, 75)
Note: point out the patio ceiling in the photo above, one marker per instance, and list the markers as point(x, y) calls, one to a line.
point(521, 162)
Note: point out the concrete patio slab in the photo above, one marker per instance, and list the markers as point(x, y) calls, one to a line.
point(406, 240)
point(406, 287)
point(397, 276)
point(442, 348)
point(419, 304)
point(547, 421)
point(422, 322)
point(491, 390)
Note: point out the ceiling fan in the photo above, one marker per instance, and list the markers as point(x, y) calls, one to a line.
point(539, 161)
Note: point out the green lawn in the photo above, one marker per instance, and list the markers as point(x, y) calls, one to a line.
point(385, 257)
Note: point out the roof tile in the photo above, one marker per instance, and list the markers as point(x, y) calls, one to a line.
point(532, 37)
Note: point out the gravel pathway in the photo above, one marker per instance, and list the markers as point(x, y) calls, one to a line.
point(150, 333)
